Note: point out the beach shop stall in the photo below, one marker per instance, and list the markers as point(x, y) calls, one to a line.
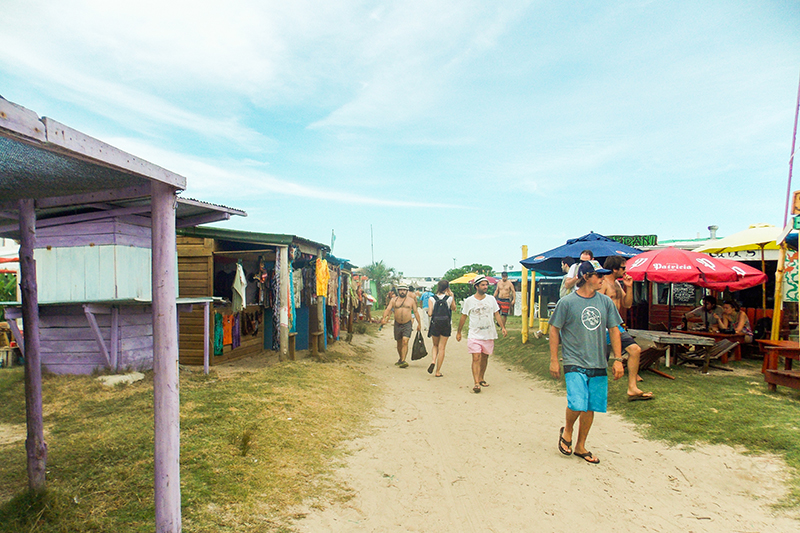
point(341, 298)
point(49, 170)
point(264, 290)
point(93, 266)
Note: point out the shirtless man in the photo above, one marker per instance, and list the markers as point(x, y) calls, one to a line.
point(405, 308)
point(572, 274)
point(505, 295)
point(623, 299)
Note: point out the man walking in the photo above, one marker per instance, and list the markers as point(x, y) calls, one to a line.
point(580, 321)
point(423, 300)
point(405, 308)
point(623, 299)
point(505, 295)
point(482, 310)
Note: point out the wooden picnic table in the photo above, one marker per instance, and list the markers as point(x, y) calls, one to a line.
point(668, 340)
point(773, 350)
point(733, 337)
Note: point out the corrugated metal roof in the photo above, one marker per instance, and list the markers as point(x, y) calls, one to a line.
point(249, 236)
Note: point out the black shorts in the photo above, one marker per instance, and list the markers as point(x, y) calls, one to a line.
point(439, 328)
point(402, 330)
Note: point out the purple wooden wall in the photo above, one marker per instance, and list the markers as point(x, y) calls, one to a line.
point(124, 231)
point(69, 346)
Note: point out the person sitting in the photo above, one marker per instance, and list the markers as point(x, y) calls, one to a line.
point(734, 320)
point(707, 315)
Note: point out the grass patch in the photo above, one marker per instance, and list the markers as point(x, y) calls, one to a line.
point(253, 445)
point(735, 409)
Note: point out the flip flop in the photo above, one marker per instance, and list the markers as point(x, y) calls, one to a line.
point(430, 368)
point(439, 376)
point(476, 389)
point(483, 384)
point(643, 397)
point(588, 457)
point(567, 443)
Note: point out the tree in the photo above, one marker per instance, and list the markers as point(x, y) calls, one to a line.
point(383, 276)
point(462, 291)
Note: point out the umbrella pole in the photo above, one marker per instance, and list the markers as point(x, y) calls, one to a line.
point(776, 312)
point(763, 285)
point(669, 310)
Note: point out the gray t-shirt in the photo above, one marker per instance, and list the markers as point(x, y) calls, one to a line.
point(582, 324)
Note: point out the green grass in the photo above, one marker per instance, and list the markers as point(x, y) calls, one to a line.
point(253, 445)
point(721, 408)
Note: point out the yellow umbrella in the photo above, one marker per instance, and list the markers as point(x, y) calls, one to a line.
point(756, 237)
point(468, 277)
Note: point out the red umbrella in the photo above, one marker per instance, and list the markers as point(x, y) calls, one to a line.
point(674, 265)
point(750, 277)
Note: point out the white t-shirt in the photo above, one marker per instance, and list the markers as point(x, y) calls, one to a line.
point(481, 317)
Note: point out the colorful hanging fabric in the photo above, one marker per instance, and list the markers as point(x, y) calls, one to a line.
point(323, 275)
point(297, 280)
point(276, 307)
point(236, 331)
point(227, 329)
point(217, 334)
point(309, 283)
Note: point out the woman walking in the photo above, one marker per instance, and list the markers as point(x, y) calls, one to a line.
point(440, 308)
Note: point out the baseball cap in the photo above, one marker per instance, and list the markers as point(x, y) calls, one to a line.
point(589, 267)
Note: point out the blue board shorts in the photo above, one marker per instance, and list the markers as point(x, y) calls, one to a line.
point(587, 388)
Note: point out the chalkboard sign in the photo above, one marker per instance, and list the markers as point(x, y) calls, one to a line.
point(683, 294)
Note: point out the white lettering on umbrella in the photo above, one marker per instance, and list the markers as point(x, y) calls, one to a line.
point(739, 270)
point(639, 262)
point(670, 266)
point(707, 263)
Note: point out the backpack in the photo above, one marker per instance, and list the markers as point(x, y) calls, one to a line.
point(441, 309)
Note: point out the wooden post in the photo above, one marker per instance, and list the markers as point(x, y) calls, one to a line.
point(165, 361)
point(34, 445)
point(778, 306)
point(284, 300)
point(206, 337)
point(524, 297)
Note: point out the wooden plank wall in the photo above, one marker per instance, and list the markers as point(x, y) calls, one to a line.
point(69, 346)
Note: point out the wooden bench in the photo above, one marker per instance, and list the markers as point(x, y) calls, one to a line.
point(784, 378)
point(704, 356)
point(314, 344)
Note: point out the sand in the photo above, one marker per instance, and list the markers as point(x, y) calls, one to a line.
point(443, 459)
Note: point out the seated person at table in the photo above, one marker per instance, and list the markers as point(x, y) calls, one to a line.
point(734, 320)
point(707, 315)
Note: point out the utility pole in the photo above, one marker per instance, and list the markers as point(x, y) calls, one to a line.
point(372, 244)
point(454, 263)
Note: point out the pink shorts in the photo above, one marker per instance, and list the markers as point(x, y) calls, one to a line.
point(480, 346)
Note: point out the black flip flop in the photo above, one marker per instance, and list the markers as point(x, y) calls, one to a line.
point(588, 457)
point(476, 389)
point(567, 443)
point(483, 384)
point(430, 368)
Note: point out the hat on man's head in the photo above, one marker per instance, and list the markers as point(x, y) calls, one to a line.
point(402, 287)
point(478, 279)
point(589, 267)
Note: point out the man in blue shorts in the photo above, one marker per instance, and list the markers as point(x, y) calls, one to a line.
point(580, 321)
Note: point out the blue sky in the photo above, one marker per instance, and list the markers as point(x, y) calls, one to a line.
point(456, 129)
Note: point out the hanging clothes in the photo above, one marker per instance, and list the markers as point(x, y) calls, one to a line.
point(239, 302)
point(323, 275)
point(236, 331)
point(227, 329)
point(217, 334)
point(309, 282)
point(276, 306)
point(297, 279)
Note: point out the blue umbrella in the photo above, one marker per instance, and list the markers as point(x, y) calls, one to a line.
point(549, 263)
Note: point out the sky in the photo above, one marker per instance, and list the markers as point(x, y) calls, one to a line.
point(429, 134)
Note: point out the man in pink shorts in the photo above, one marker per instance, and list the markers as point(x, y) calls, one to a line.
point(483, 311)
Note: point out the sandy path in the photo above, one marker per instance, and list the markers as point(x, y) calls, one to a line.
point(442, 459)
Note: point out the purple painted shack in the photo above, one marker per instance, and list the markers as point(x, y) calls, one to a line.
point(93, 269)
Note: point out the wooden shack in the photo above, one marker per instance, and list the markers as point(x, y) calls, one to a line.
point(273, 317)
point(93, 266)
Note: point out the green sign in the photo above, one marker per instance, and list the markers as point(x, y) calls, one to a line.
point(796, 222)
point(636, 241)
